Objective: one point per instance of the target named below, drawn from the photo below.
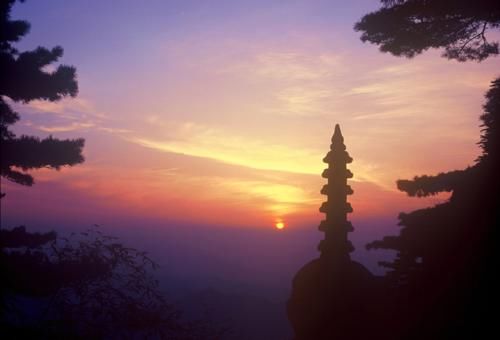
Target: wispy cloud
(68, 114)
(220, 144)
(66, 107)
(114, 130)
(64, 128)
(217, 144)
(303, 100)
(234, 150)
(293, 66)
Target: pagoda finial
(337, 135)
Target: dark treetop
(409, 27)
(23, 78)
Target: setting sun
(280, 225)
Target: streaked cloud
(66, 107)
(303, 100)
(235, 150)
(293, 66)
(65, 128)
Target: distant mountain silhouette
(246, 316)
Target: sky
(215, 116)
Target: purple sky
(214, 116)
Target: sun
(280, 225)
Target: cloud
(114, 130)
(64, 128)
(218, 144)
(68, 114)
(285, 66)
(399, 70)
(235, 150)
(299, 82)
(304, 100)
(67, 107)
(294, 66)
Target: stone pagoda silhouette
(332, 296)
(336, 246)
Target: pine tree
(23, 78)
(409, 27)
(443, 278)
(445, 263)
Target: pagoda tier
(336, 244)
(346, 227)
(326, 190)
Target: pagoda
(332, 296)
(336, 246)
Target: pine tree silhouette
(24, 79)
(443, 280)
(409, 27)
(445, 267)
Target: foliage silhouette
(443, 279)
(481, 177)
(25, 78)
(409, 27)
(87, 286)
(445, 266)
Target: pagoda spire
(336, 245)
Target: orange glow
(189, 189)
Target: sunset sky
(220, 112)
